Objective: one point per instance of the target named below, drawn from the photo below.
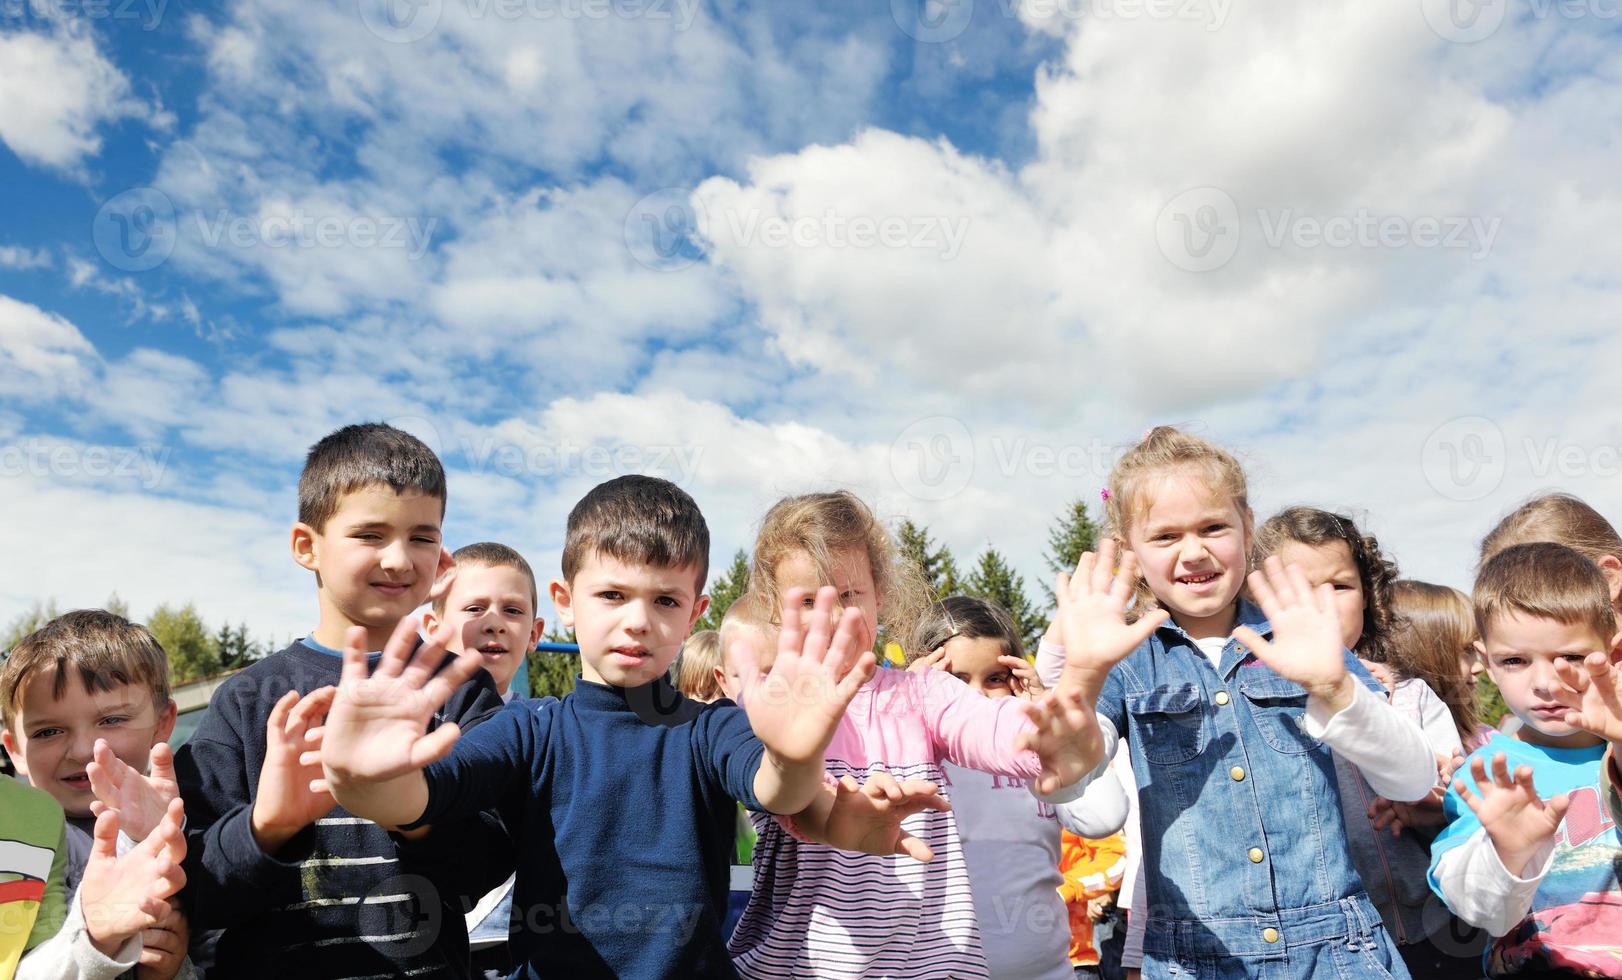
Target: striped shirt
(818, 912)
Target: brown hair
(358, 456)
(695, 668)
(1165, 448)
(1557, 517)
(489, 554)
(640, 520)
(1315, 528)
(106, 649)
(823, 525)
(1435, 626)
(1545, 580)
(966, 616)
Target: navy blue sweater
(622, 800)
(341, 899)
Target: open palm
(868, 817)
(377, 728)
(1306, 647)
(1092, 610)
(140, 799)
(1516, 818)
(1593, 695)
(795, 709)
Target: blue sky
(952, 256)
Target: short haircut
(695, 668)
(965, 616)
(639, 520)
(747, 612)
(358, 456)
(1545, 580)
(106, 649)
(489, 554)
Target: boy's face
(491, 610)
(1521, 652)
(375, 559)
(630, 620)
(51, 739)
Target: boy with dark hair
(623, 791)
(301, 887)
(1537, 865)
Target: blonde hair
(747, 612)
(1166, 448)
(1435, 625)
(695, 668)
(1547, 581)
(1557, 517)
(822, 525)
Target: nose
(82, 747)
(1191, 549)
(394, 558)
(636, 617)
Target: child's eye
(425, 539)
(514, 611)
(1574, 658)
(609, 594)
(1215, 528)
(46, 733)
(369, 536)
(668, 601)
(114, 720)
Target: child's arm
(1360, 725)
(1491, 878)
(867, 818)
(795, 709)
(1100, 811)
(375, 743)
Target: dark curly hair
(1313, 527)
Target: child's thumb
(104, 839)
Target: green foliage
(993, 578)
(37, 615)
(117, 606)
(1490, 701)
(725, 590)
(234, 647)
(937, 565)
(192, 652)
(552, 673)
(1073, 534)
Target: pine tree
(727, 588)
(1073, 533)
(117, 606)
(192, 651)
(937, 565)
(995, 580)
(236, 650)
(552, 674)
(37, 615)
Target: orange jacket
(1091, 868)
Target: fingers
(100, 770)
(818, 631)
(914, 848)
(866, 666)
(398, 650)
(460, 671)
(748, 667)
(928, 661)
(1557, 807)
(354, 669)
(882, 785)
(1147, 624)
(444, 575)
(427, 656)
(104, 838)
(436, 744)
(310, 707)
(1254, 642)
(1126, 577)
(276, 726)
(842, 649)
(792, 636)
(163, 761)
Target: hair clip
(1103, 492)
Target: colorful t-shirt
(1576, 919)
(33, 856)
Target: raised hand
(931, 661)
(1306, 647)
(795, 709)
(378, 726)
(121, 896)
(141, 800)
(1066, 738)
(1516, 819)
(868, 817)
(292, 791)
(1092, 608)
(1593, 693)
(1023, 679)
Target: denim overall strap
(1348, 920)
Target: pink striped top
(824, 913)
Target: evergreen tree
(1073, 533)
(192, 651)
(727, 588)
(552, 674)
(37, 615)
(235, 649)
(993, 578)
(937, 565)
(117, 606)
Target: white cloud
(18, 257)
(42, 355)
(56, 91)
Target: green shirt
(33, 860)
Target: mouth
(493, 650)
(391, 589)
(1550, 712)
(630, 656)
(78, 781)
(1199, 580)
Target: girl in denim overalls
(1230, 709)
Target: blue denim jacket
(1244, 845)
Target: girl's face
(1191, 546)
(973, 660)
(1331, 562)
(852, 576)
(1472, 666)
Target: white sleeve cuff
(1067, 794)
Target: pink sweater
(820, 912)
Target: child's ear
(702, 604)
(536, 632)
(1611, 566)
(562, 600)
(10, 743)
(303, 545)
(166, 721)
(1616, 648)
(430, 621)
(720, 679)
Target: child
(746, 628)
(1092, 871)
(1435, 641)
(490, 607)
(817, 912)
(86, 692)
(623, 791)
(1329, 549)
(1563, 519)
(1231, 734)
(1010, 839)
(273, 863)
(33, 860)
(1530, 853)
(698, 669)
